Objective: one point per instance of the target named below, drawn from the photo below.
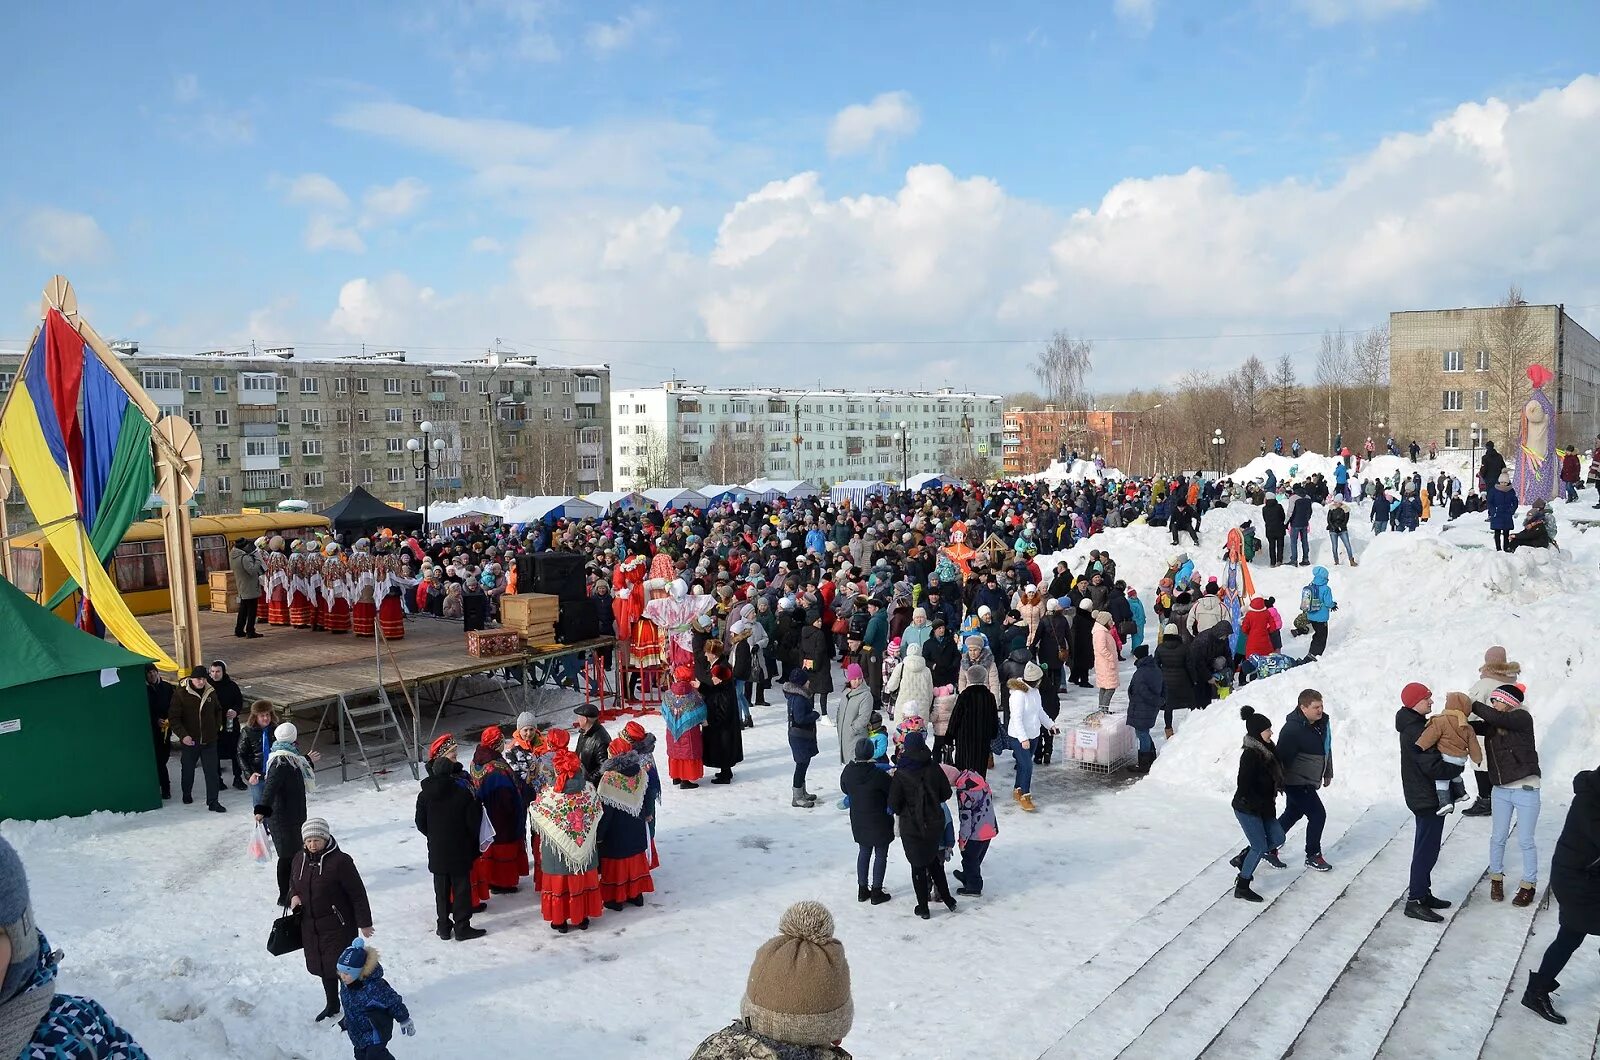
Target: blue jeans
(1302, 800)
(1299, 544)
(1342, 536)
(744, 700)
(1262, 836)
(874, 857)
(1525, 801)
(1145, 743)
(1024, 760)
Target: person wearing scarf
(644, 745)
(684, 712)
(506, 861)
(282, 804)
(567, 819)
(624, 835)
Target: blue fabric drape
(105, 403)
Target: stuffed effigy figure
(1536, 465)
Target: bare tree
(1249, 385)
(734, 455)
(1511, 336)
(1286, 399)
(1370, 359)
(1026, 400)
(1333, 375)
(1062, 369)
(652, 468)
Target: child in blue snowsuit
(371, 1006)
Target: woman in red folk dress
(684, 712)
(503, 865)
(335, 591)
(276, 583)
(391, 613)
(363, 587)
(301, 604)
(567, 818)
(624, 837)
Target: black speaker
(527, 576)
(558, 574)
(577, 621)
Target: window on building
(341, 416)
(286, 480)
(416, 386)
(417, 473)
(394, 415)
(344, 447)
(311, 417)
(622, 410)
(283, 417)
(638, 410)
(220, 417)
(195, 418)
(625, 471)
(416, 415)
(1452, 437)
(549, 414)
(311, 447)
(260, 480)
(1483, 360)
(257, 447)
(1452, 401)
(194, 384)
(588, 463)
(436, 386)
(309, 384)
(344, 477)
(1480, 401)
(391, 385)
(566, 413)
(366, 476)
(397, 474)
(159, 379)
(283, 448)
(363, 415)
(513, 467)
(313, 480)
(1452, 361)
(393, 445)
(224, 483)
(364, 445)
(221, 451)
(283, 384)
(341, 385)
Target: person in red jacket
(1257, 626)
(1571, 473)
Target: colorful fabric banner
(123, 493)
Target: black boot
(863, 892)
(1238, 859)
(442, 928)
(1479, 808)
(1241, 889)
(1537, 997)
(465, 932)
(879, 896)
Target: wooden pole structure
(171, 468)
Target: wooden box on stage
(532, 615)
(224, 597)
(493, 643)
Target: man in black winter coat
(593, 741)
(449, 815)
(1204, 651)
(1490, 467)
(1305, 750)
(1299, 529)
(1273, 523)
(939, 651)
(1418, 771)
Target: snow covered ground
(163, 918)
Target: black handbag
(285, 934)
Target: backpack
(1308, 598)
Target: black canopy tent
(362, 514)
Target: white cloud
(1139, 15)
(63, 237)
(862, 126)
(606, 38)
(1332, 12)
(324, 232)
(1443, 216)
(485, 245)
(385, 203)
(186, 88)
(478, 37)
(197, 116)
(317, 189)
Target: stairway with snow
(1328, 965)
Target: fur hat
(1254, 724)
(1086, 604)
(1495, 665)
(798, 991)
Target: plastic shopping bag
(485, 833)
(260, 845)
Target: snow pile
(1420, 607)
(1074, 471)
(1295, 468)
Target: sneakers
(1271, 858)
(1447, 808)
(1242, 891)
(1479, 808)
(1433, 902)
(1524, 896)
(1419, 911)
(1316, 861)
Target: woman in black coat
(1577, 891)
(1255, 800)
(230, 711)
(816, 653)
(788, 638)
(1173, 658)
(723, 737)
(916, 795)
(871, 826)
(282, 806)
(333, 903)
(449, 815)
(974, 723)
(1082, 643)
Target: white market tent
(614, 500)
(857, 490)
(724, 492)
(537, 509)
(770, 489)
(927, 480)
(669, 498)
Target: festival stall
(724, 493)
(360, 514)
(59, 687)
(856, 490)
(927, 481)
(549, 509)
(617, 500)
(769, 490)
(668, 498)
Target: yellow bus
(139, 564)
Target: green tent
(63, 691)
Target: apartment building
(1452, 368)
(1035, 437)
(275, 427)
(679, 434)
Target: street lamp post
(1217, 442)
(427, 455)
(905, 458)
(1472, 468)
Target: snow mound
(1295, 468)
(1074, 471)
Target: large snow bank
(1421, 607)
(1295, 468)
(1061, 471)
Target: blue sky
(723, 181)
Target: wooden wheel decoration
(178, 433)
(5, 478)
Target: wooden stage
(297, 669)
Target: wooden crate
(220, 581)
(527, 612)
(225, 602)
(493, 643)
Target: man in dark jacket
(1305, 749)
(1418, 771)
(874, 642)
(1147, 698)
(1299, 529)
(449, 815)
(193, 720)
(867, 788)
(939, 651)
(593, 741)
(1273, 522)
(1490, 467)
(1082, 653)
(158, 697)
(1204, 651)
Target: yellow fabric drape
(51, 499)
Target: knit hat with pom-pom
(799, 986)
(1255, 724)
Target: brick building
(1033, 438)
